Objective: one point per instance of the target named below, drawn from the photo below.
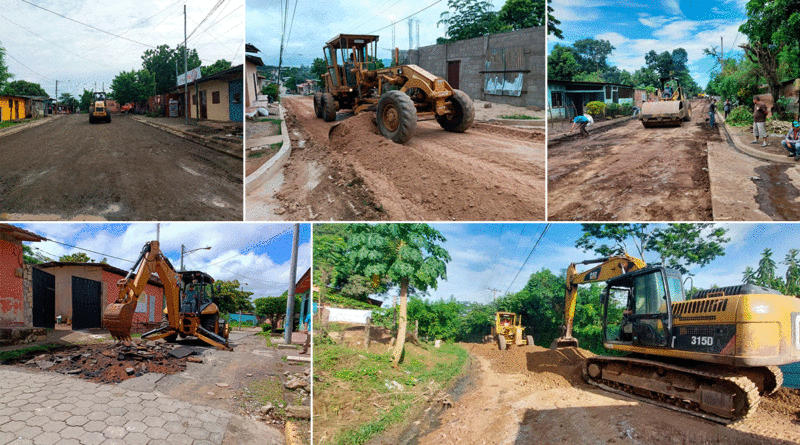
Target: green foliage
(79, 257)
(626, 109)
(612, 109)
(86, 99)
(164, 61)
(645, 77)
(740, 116)
(24, 88)
(521, 14)
(592, 54)
(31, 257)
(318, 68)
(738, 79)
(561, 63)
(231, 298)
(132, 86)
(273, 308)
(68, 101)
(271, 90)
(517, 116)
(552, 22)
(22, 352)
(266, 327)
(216, 67)
(336, 300)
(766, 273)
(4, 73)
(470, 19)
(596, 108)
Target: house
(789, 89)
(36, 106)
(12, 108)
(254, 78)
(83, 290)
(566, 99)
(217, 97)
(15, 308)
(307, 87)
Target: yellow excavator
(189, 309)
(713, 355)
(670, 110)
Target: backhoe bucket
(564, 342)
(118, 319)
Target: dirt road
(489, 172)
(125, 170)
(633, 173)
(534, 395)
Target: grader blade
(118, 319)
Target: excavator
(713, 355)
(189, 309)
(671, 109)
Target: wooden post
(416, 329)
(366, 333)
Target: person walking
(759, 121)
(712, 110)
(727, 108)
(792, 141)
(581, 122)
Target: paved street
(48, 408)
(125, 170)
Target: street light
(241, 289)
(186, 252)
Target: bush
(626, 109)
(271, 90)
(596, 108)
(740, 116)
(612, 109)
(266, 327)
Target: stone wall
(27, 294)
(21, 336)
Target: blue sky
(244, 252)
(489, 256)
(636, 27)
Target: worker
(668, 92)
(759, 121)
(712, 110)
(581, 122)
(727, 108)
(792, 141)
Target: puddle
(775, 194)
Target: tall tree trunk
(401, 329)
(767, 61)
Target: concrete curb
(24, 126)
(276, 162)
(206, 141)
(753, 152)
(536, 123)
(596, 128)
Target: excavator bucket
(118, 319)
(564, 342)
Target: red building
(13, 307)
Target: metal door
(235, 93)
(453, 71)
(86, 304)
(44, 299)
(203, 105)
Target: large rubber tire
(501, 342)
(209, 322)
(328, 107)
(396, 116)
(108, 119)
(530, 340)
(318, 104)
(91, 119)
(464, 113)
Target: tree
(132, 86)
(406, 254)
(561, 63)
(4, 73)
(79, 257)
(163, 62)
(679, 246)
(216, 67)
(766, 273)
(273, 308)
(24, 88)
(231, 298)
(470, 19)
(318, 68)
(31, 257)
(521, 14)
(86, 99)
(552, 23)
(592, 53)
(645, 77)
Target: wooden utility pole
(287, 329)
(56, 110)
(185, 69)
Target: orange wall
(112, 292)
(11, 303)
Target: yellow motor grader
(399, 94)
(508, 330)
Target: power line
(411, 15)
(366, 19)
(238, 254)
(529, 257)
(90, 251)
(213, 9)
(26, 66)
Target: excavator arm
(608, 268)
(118, 316)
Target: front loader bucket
(564, 342)
(118, 319)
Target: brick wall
(12, 305)
(111, 292)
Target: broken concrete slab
(298, 412)
(143, 383)
(297, 358)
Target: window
(215, 97)
(556, 99)
(650, 293)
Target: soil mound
(786, 401)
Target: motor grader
(399, 94)
(508, 330)
(189, 308)
(670, 110)
(713, 355)
(98, 109)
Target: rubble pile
(297, 390)
(113, 363)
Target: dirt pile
(786, 402)
(544, 368)
(112, 363)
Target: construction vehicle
(399, 94)
(189, 308)
(508, 330)
(670, 110)
(713, 355)
(98, 109)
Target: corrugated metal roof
(20, 234)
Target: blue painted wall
(791, 375)
(245, 318)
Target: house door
(235, 93)
(86, 304)
(453, 70)
(44, 299)
(16, 109)
(203, 105)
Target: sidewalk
(224, 137)
(28, 123)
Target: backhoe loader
(189, 308)
(713, 355)
(398, 94)
(670, 110)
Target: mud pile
(543, 367)
(112, 363)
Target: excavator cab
(637, 307)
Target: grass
(6, 124)
(274, 147)
(269, 119)
(17, 353)
(269, 391)
(366, 383)
(518, 116)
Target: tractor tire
(501, 342)
(108, 119)
(464, 113)
(530, 340)
(328, 107)
(91, 119)
(318, 104)
(396, 116)
(209, 322)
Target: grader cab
(508, 330)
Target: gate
(453, 72)
(44, 299)
(86, 304)
(235, 93)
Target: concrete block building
(12, 108)
(15, 308)
(218, 97)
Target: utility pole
(56, 110)
(494, 293)
(185, 69)
(721, 54)
(287, 329)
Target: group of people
(712, 110)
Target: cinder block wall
(473, 54)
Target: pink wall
(112, 292)
(11, 302)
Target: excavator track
(722, 397)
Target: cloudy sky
(315, 24)
(636, 27)
(256, 254)
(43, 47)
(489, 256)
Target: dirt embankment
(532, 395)
(487, 173)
